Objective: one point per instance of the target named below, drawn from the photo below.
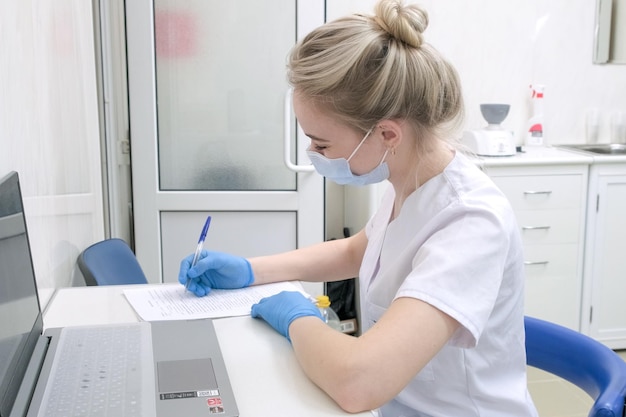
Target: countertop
(540, 155)
(600, 158)
(549, 155)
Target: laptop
(144, 369)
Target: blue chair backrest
(581, 360)
(110, 262)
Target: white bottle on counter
(534, 136)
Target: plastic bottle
(534, 135)
(328, 314)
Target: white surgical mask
(338, 169)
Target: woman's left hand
(281, 309)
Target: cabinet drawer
(540, 192)
(554, 262)
(549, 226)
(553, 286)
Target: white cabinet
(604, 306)
(549, 203)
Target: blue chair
(110, 262)
(581, 360)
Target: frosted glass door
(209, 115)
(220, 73)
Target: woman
(439, 264)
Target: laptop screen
(20, 318)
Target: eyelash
(319, 148)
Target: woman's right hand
(215, 270)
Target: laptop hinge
(27, 387)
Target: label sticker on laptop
(209, 393)
(189, 394)
(215, 405)
(178, 395)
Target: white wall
(501, 47)
(49, 129)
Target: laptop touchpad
(186, 375)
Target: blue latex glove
(281, 309)
(215, 270)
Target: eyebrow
(313, 137)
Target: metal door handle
(537, 192)
(287, 138)
(535, 262)
(535, 227)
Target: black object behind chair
(110, 262)
(581, 360)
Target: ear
(391, 131)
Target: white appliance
(489, 142)
(493, 140)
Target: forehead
(316, 120)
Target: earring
(393, 151)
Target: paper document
(173, 302)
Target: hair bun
(405, 23)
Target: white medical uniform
(455, 245)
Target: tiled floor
(555, 397)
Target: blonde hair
(365, 69)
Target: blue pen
(200, 246)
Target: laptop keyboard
(98, 372)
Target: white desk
(265, 376)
